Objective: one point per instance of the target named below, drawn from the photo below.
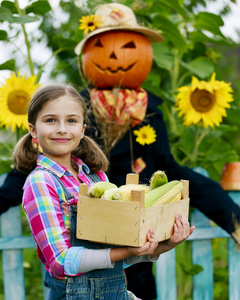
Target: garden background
(194, 45)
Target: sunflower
(145, 135)
(89, 23)
(204, 102)
(15, 96)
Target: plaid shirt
(47, 212)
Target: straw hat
(115, 16)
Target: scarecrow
(116, 57)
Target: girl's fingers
(175, 227)
(192, 229)
(179, 220)
(151, 234)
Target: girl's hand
(181, 231)
(148, 248)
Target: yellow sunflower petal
(15, 96)
(204, 102)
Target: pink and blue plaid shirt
(47, 212)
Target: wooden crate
(127, 223)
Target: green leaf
(3, 35)
(64, 43)
(191, 270)
(25, 19)
(6, 15)
(201, 66)
(200, 37)
(10, 5)
(8, 65)
(153, 79)
(162, 56)
(210, 22)
(174, 4)
(170, 31)
(40, 7)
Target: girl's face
(59, 128)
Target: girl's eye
(50, 120)
(72, 121)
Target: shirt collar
(81, 165)
(58, 169)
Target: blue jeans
(103, 284)
(82, 288)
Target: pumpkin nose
(113, 55)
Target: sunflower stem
(170, 117)
(182, 78)
(175, 72)
(46, 62)
(195, 147)
(174, 79)
(202, 136)
(30, 62)
(17, 133)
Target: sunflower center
(144, 136)
(90, 24)
(18, 101)
(202, 100)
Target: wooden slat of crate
(112, 222)
(161, 219)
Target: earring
(36, 144)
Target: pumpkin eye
(129, 45)
(98, 43)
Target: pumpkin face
(117, 59)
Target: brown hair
(25, 154)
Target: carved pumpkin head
(117, 58)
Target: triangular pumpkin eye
(98, 43)
(129, 45)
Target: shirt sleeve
(127, 262)
(95, 259)
(43, 210)
(72, 260)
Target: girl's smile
(59, 128)
(60, 140)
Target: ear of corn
(126, 190)
(163, 194)
(97, 189)
(112, 194)
(176, 197)
(158, 178)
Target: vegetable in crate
(127, 188)
(158, 179)
(112, 194)
(164, 194)
(97, 189)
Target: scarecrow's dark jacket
(205, 194)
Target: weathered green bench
(12, 244)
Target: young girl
(76, 269)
